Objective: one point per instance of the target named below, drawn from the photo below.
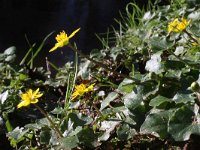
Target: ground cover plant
(141, 91)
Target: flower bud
(195, 87)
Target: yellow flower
(178, 26)
(30, 97)
(81, 89)
(62, 39)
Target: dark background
(38, 18)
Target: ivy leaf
(194, 15)
(154, 64)
(84, 69)
(159, 101)
(124, 132)
(10, 58)
(33, 126)
(126, 86)
(107, 126)
(87, 137)
(57, 110)
(17, 133)
(156, 123)
(132, 100)
(10, 51)
(183, 98)
(104, 137)
(181, 124)
(158, 44)
(69, 142)
(79, 119)
(2, 56)
(45, 136)
(173, 64)
(111, 96)
(43, 122)
(3, 96)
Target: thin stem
(196, 41)
(49, 119)
(178, 58)
(97, 110)
(102, 65)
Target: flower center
(61, 37)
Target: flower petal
(36, 91)
(23, 103)
(91, 87)
(73, 33)
(38, 95)
(33, 101)
(54, 48)
(24, 96)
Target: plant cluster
(140, 91)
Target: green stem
(97, 110)
(172, 53)
(49, 119)
(196, 41)
(102, 65)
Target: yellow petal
(23, 103)
(74, 95)
(73, 33)
(36, 91)
(38, 95)
(33, 101)
(54, 48)
(25, 96)
(60, 44)
(91, 87)
(30, 92)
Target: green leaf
(108, 127)
(183, 98)
(10, 51)
(111, 96)
(104, 137)
(43, 122)
(87, 137)
(84, 69)
(57, 110)
(126, 86)
(154, 64)
(2, 57)
(114, 53)
(194, 15)
(45, 136)
(173, 64)
(147, 16)
(80, 119)
(33, 126)
(124, 132)
(17, 133)
(74, 105)
(156, 123)
(69, 142)
(3, 96)
(132, 100)
(181, 124)
(159, 101)
(8, 126)
(159, 44)
(10, 58)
